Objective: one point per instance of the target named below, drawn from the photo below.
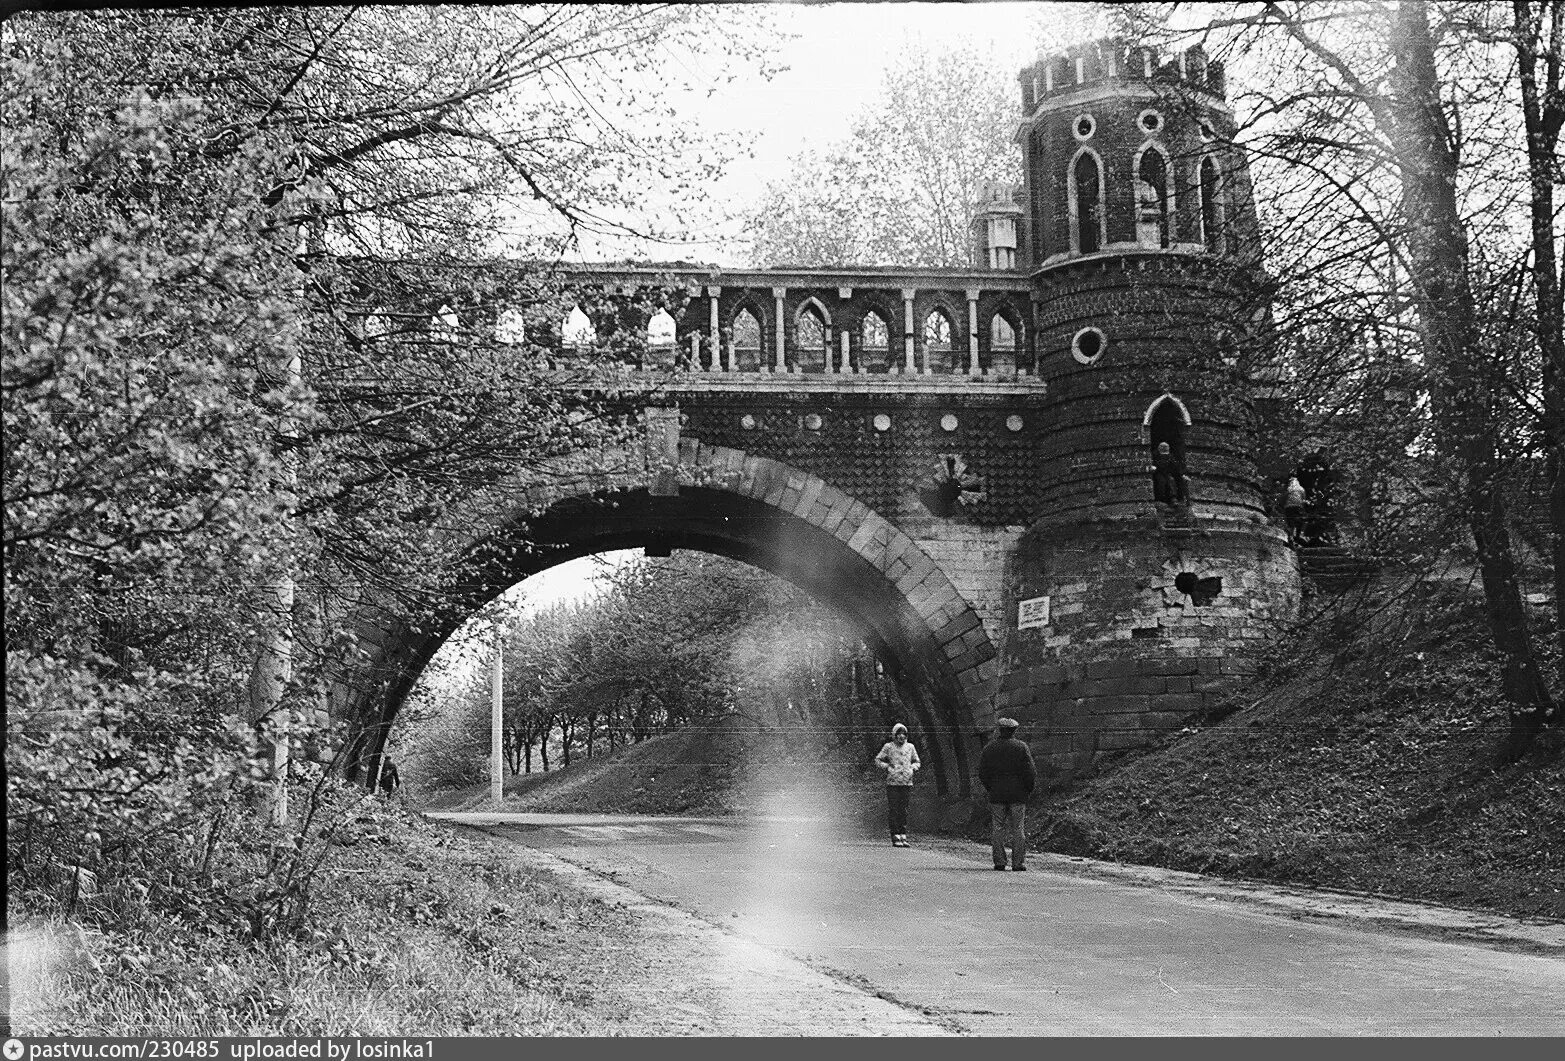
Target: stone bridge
(1030, 482)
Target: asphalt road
(1048, 952)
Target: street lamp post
(496, 722)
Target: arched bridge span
(755, 509)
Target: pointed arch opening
(445, 325)
(875, 343)
(1005, 342)
(1085, 188)
(746, 338)
(1210, 187)
(577, 332)
(939, 349)
(1165, 424)
(812, 337)
(511, 327)
(1154, 201)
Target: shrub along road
(1055, 951)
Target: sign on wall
(1032, 612)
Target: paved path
(1054, 951)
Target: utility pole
(496, 722)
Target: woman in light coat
(899, 759)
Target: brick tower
(1160, 570)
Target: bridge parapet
(745, 323)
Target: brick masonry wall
(1128, 654)
(1161, 317)
(975, 559)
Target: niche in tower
(1166, 422)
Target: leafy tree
(206, 449)
(901, 189)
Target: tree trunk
(1543, 110)
(1461, 388)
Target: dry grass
(417, 933)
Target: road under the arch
(1059, 950)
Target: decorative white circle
(948, 421)
(1227, 347)
(1083, 127)
(1088, 345)
(1013, 422)
(882, 422)
(813, 421)
(747, 422)
(1150, 120)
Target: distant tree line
(668, 643)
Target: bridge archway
(753, 509)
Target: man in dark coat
(1006, 770)
(389, 781)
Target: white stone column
(847, 361)
(972, 331)
(780, 360)
(714, 337)
(907, 327)
(695, 351)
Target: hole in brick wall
(1199, 590)
(1142, 633)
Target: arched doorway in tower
(1165, 424)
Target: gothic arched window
(1152, 209)
(1086, 184)
(1211, 207)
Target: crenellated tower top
(1111, 60)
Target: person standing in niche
(1293, 510)
(1168, 478)
(899, 759)
(1317, 479)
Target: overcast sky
(836, 58)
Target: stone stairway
(1333, 569)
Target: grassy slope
(1363, 764)
(418, 932)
